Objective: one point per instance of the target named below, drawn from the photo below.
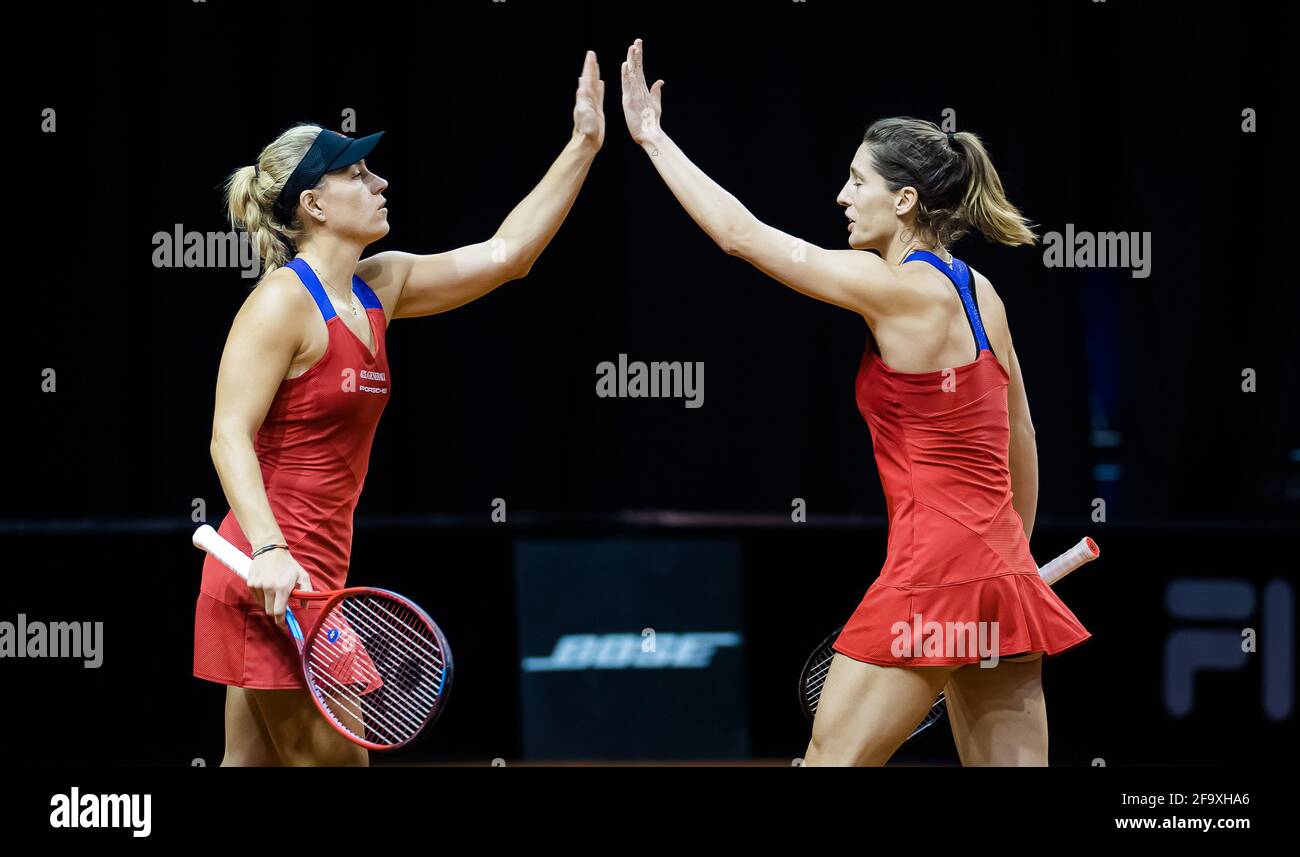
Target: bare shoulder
(386, 269)
(385, 273)
(986, 294)
(279, 291)
(276, 307)
(881, 292)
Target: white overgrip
(208, 539)
(1085, 551)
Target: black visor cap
(329, 151)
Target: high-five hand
(588, 108)
(642, 107)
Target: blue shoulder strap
(367, 296)
(961, 277)
(308, 277)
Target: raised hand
(588, 108)
(642, 107)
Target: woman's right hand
(642, 107)
(273, 576)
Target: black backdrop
(1111, 116)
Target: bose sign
(632, 651)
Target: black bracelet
(264, 548)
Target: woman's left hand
(588, 109)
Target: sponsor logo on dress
(367, 375)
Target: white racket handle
(1084, 552)
(226, 553)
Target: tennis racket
(813, 675)
(378, 667)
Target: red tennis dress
(314, 451)
(957, 551)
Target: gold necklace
(352, 304)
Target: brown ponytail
(958, 188)
(985, 206)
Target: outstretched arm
(423, 285)
(859, 281)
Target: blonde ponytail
(250, 194)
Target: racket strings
(406, 634)
(814, 679)
(382, 711)
(343, 701)
(414, 660)
(361, 713)
(378, 667)
(416, 644)
(353, 702)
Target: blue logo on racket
(332, 635)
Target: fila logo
(1194, 649)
